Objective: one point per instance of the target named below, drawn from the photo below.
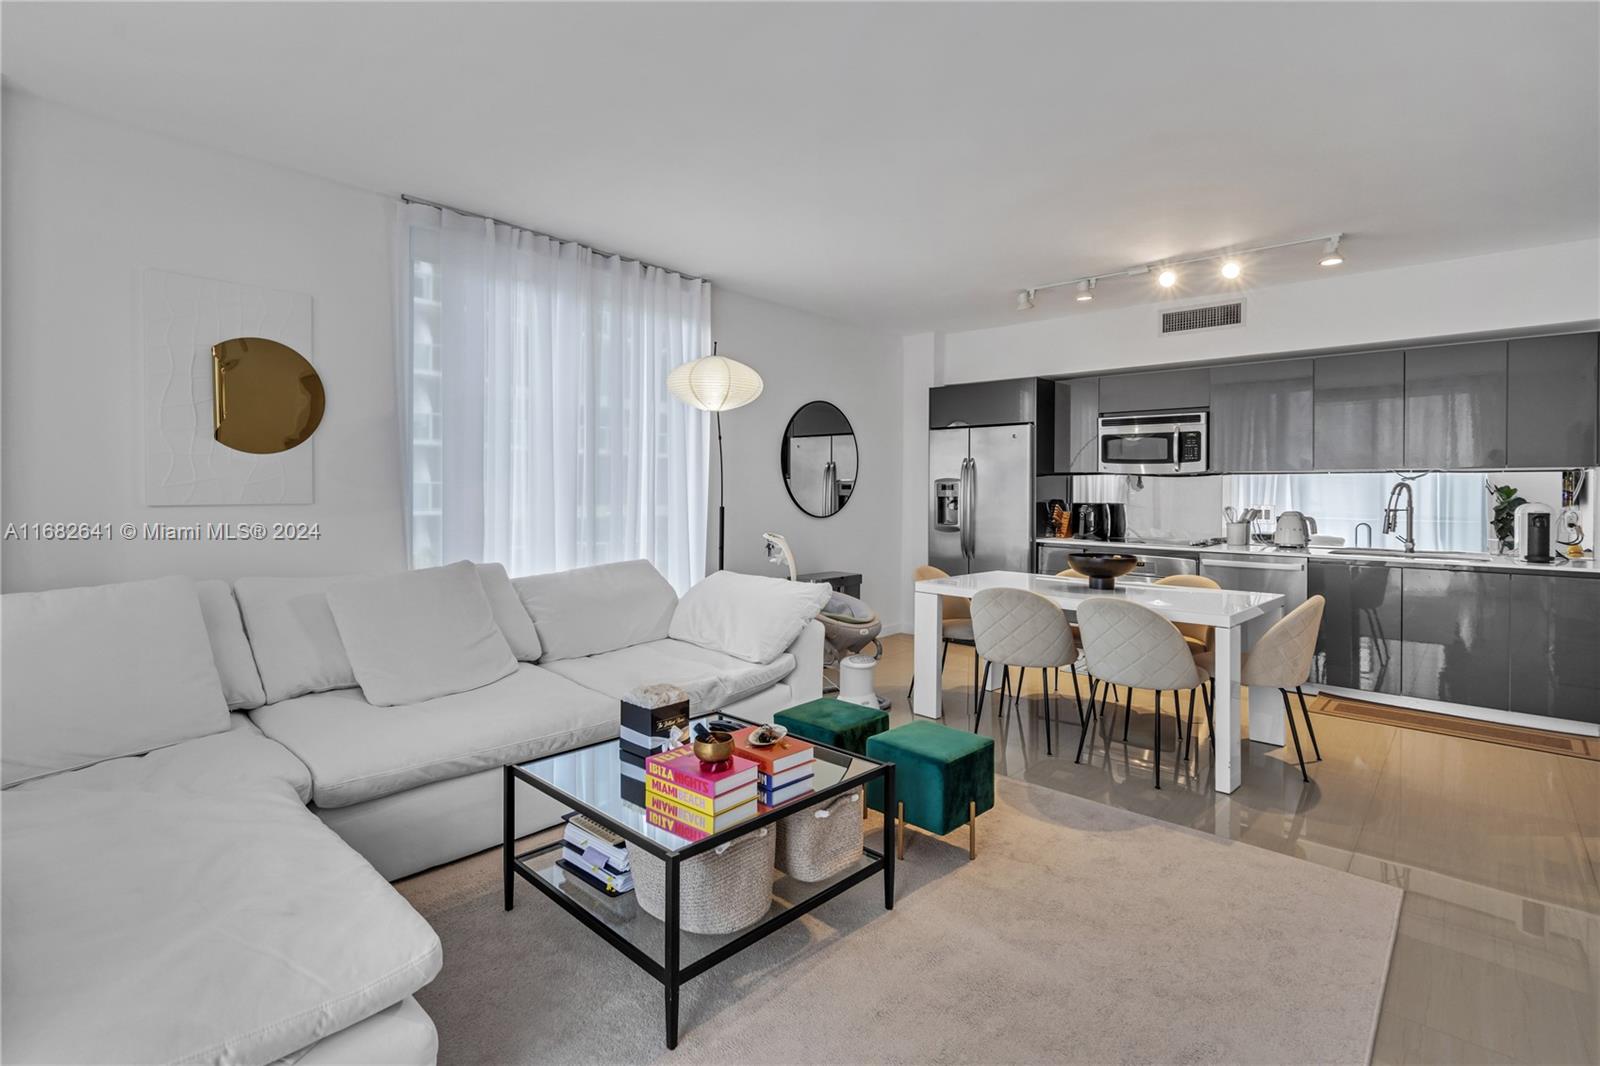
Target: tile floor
(1497, 848)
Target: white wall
(88, 204)
(801, 358)
(1530, 288)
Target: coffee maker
(1531, 526)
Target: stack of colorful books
(783, 770)
(596, 856)
(688, 800)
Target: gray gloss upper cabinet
(1456, 407)
(1456, 627)
(1359, 411)
(1551, 409)
(1261, 417)
(1156, 390)
(1555, 646)
(1082, 409)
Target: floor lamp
(716, 384)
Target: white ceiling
(902, 165)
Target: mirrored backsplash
(1452, 510)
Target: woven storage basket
(818, 842)
(721, 891)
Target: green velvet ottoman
(836, 723)
(943, 778)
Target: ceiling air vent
(1212, 316)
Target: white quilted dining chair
(1282, 659)
(1127, 644)
(1014, 627)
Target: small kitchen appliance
(1090, 521)
(1116, 521)
(1166, 442)
(1531, 532)
(1293, 530)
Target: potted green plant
(1503, 520)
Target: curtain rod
(406, 198)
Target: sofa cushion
(711, 678)
(236, 666)
(749, 617)
(598, 608)
(509, 613)
(421, 634)
(242, 758)
(293, 635)
(357, 752)
(96, 673)
(230, 927)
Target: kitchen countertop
(1585, 567)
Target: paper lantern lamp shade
(715, 383)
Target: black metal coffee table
(589, 780)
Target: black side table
(838, 580)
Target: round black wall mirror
(819, 459)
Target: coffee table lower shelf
(660, 948)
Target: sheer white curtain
(541, 434)
(1451, 509)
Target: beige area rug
(1081, 933)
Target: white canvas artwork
(181, 317)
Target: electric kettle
(1293, 530)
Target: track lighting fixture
(1231, 267)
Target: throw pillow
(751, 618)
(419, 635)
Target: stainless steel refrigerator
(980, 506)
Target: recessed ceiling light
(1230, 269)
(1086, 290)
(1331, 256)
(1024, 299)
(1168, 278)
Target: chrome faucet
(1359, 527)
(1391, 515)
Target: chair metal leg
(1206, 695)
(1077, 694)
(1048, 713)
(975, 689)
(1288, 714)
(1127, 714)
(1084, 721)
(1157, 694)
(1189, 738)
(982, 686)
(1005, 688)
(1310, 730)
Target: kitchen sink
(1401, 553)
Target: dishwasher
(1261, 572)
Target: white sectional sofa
(203, 808)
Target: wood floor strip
(1467, 728)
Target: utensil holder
(1238, 534)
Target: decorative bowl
(716, 747)
(1102, 568)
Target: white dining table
(1237, 619)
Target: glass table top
(592, 776)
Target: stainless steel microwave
(1167, 442)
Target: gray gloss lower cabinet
(1456, 407)
(1359, 646)
(1261, 417)
(1555, 646)
(1456, 627)
(1359, 406)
